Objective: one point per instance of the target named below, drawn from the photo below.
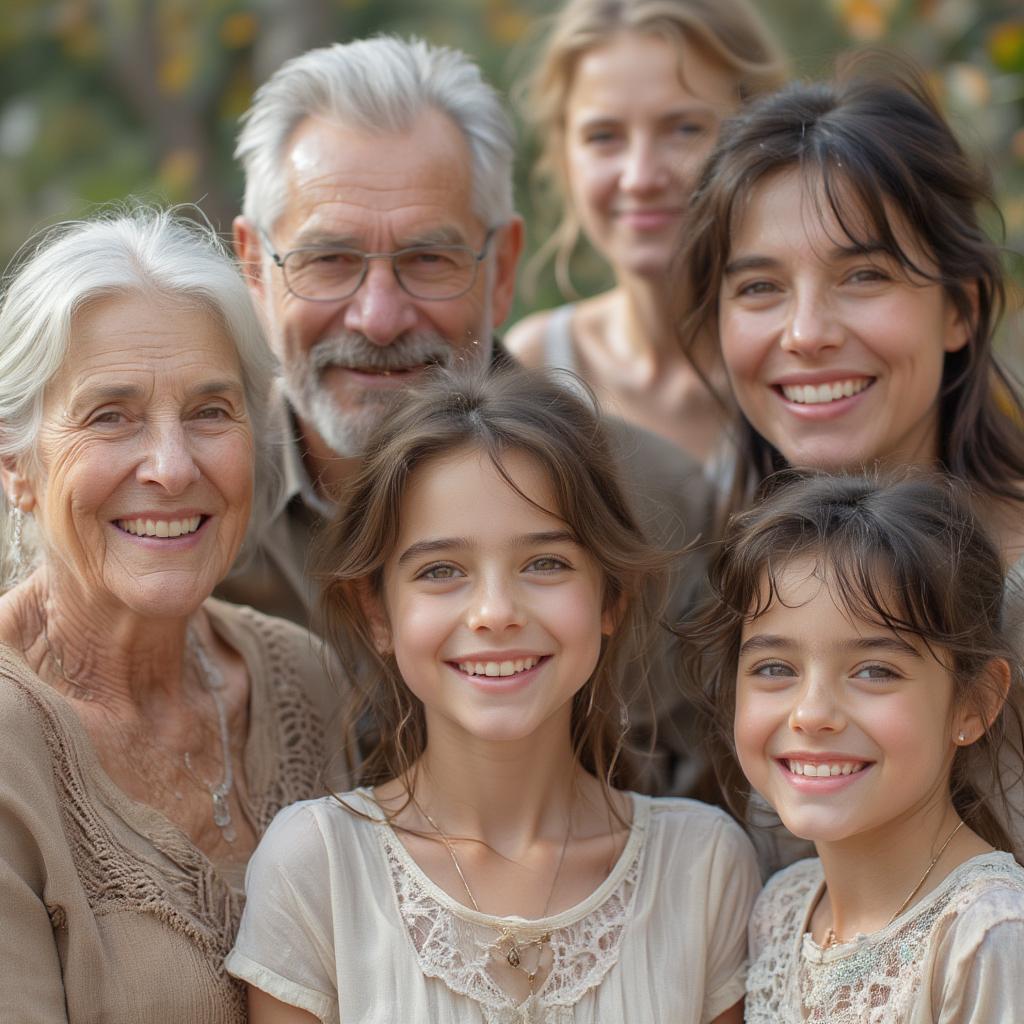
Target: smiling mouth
(820, 394)
(161, 527)
(494, 669)
(822, 769)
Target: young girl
(490, 867)
(854, 662)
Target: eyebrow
(891, 644)
(100, 394)
(430, 547)
(837, 252)
(444, 235)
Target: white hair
(381, 85)
(125, 250)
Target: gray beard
(347, 429)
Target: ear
(959, 328)
(973, 721)
(376, 616)
(249, 252)
(17, 486)
(508, 245)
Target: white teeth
(824, 770)
(160, 527)
(810, 394)
(497, 668)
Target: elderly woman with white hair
(148, 733)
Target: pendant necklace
(508, 946)
(220, 793)
(831, 939)
(212, 681)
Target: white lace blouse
(341, 921)
(955, 957)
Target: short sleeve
(978, 967)
(285, 944)
(733, 884)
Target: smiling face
(345, 361)
(495, 612)
(842, 726)
(835, 354)
(141, 481)
(642, 115)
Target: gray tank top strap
(558, 348)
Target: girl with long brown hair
(492, 592)
(858, 677)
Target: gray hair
(124, 250)
(381, 85)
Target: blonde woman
(627, 98)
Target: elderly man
(380, 238)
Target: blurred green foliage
(100, 99)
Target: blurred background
(100, 99)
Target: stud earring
(960, 737)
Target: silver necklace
(213, 682)
(508, 945)
(220, 793)
(831, 939)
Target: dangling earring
(17, 555)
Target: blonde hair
(729, 30)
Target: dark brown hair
(907, 556)
(497, 412)
(870, 146)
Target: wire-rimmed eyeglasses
(325, 273)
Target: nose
(494, 606)
(811, 324)
(168, 460)
(380, 310)
(645, 169)
(817, 708)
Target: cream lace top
(955, 957)
(341, 921)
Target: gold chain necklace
(507, 945)
(831, 939)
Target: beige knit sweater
(108, 912)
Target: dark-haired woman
(836, 249)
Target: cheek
(754, 723)
(591, 183)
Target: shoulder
(26, 714)
(665, 484)
(278, 649)
(781, 907)
(987, 894)
(698, 833)
(305, 835)
(527, 341)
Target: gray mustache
(353, 351)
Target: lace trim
(199, 904)
(457, 950)
(871, 980)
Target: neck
(112, 656)
(327, 470)
(501, 792)
(870, 876)
(644, 313)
